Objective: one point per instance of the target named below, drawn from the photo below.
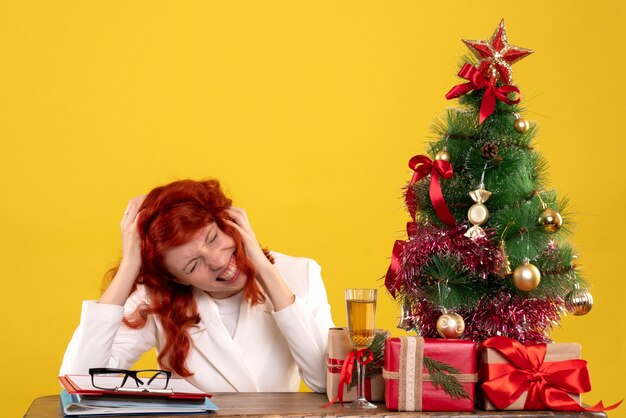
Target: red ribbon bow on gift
(477, 81)
(364, 356)
(422, 166)
(547, 384)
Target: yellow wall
(308, 111)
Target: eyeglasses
(122, 380)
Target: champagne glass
(361, 308)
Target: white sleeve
(305, 326)
(102, 340)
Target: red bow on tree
(392, 278)
(477, 81)
(422, 165)
(548, 384)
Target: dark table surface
(301, 404)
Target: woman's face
(207, 262)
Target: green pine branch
(448, 283)
(442, 376)
(559, 272)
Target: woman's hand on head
(122, 284)
(239, 220)
(267, 274)
(131, 242)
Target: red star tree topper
(496, 55)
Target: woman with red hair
(194, 283)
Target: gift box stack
(434, 374)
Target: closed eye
(193, 266)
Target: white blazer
(268, 352)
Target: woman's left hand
(239, 220)
(266, 273)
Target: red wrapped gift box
(408, 386)
(492, 365)
(534, 376)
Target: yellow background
(308, 111)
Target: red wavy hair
(170, 216)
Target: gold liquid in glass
(361, 322)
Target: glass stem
(360, 370)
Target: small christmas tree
(487, 251)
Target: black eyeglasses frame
(133, 374)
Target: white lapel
(216, 345)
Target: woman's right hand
(131, 242)
(120, 287)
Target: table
(299, 404)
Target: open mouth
(230, 273)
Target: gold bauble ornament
(526, 277)
(443, 155)
(578, 302)
(450, 325)
(521, 125)
(550, 220)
